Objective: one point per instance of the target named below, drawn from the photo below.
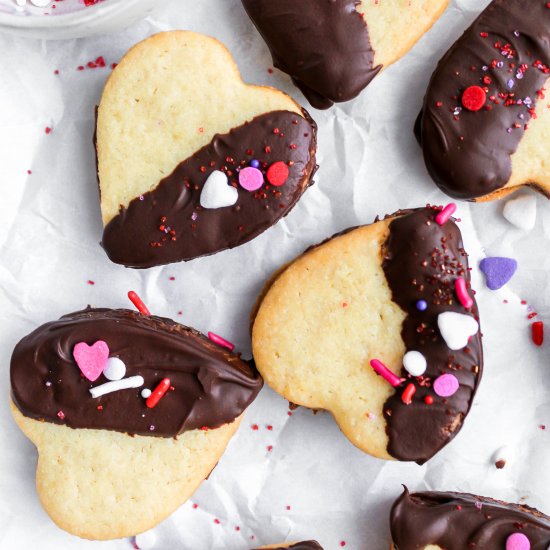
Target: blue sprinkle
(422, 305)
(255, 163)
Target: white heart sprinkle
(521, 212)
(115, 369)
(415, 363)
(41, 3)
(21, 2)
(456, 329)
(216, 193)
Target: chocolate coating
(468, 154)
(306, 545)
(212, 386)
(456, 521)
(421, 262)
(322, 44)
(140, 235)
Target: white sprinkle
(41, 3)
(521, 212)
(456, 329)
(415, 363)
(117, 385)
(115, 369)
(216, 193)
(145, 393)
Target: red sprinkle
(474, 98)
(277, 174)
(407, 395)
(429, 400)
(158, 393)
(136, 300)
(538, 333)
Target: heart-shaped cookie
(485, 123)
(119, 455)
(333, 49)
(332, 329)
(172, 113)
(455, 521)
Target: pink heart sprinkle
(91, 360)
(251, 178)
(518, 541)
(446, 385)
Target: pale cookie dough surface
(101, 485)
(396, 25)
(166, 99)
(315, 351)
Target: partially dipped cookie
(377, 325)
(191, 160)
(485, 124)
(333, 49)
(456, 521)
(129, 413)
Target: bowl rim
(102, 10)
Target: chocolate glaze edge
(305, 545)
(212, 386)
(324, 46)
(470, 157)
(416, 250)
(134, 237)
(419, 519)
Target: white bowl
(105, 17)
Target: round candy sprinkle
(383, 371)
(255, 163)
(421, 305)
(146, 393)
(443, 217)
(446, 385)
(277, 173)
(115, 369)
(415, 363)
(474, 98)
(251, 178)
(517, 541)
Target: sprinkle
(115, 369)
(521, 212)
(251, 178)
(91, 360)
(277, 174)
(216, 193)
(158, 392)
(429, 400)
(255, 163)
(61, 415)
(383, 371)
(136, 300)
(462, 293)
(408, 394)
(117, 385)
(422, 305)
(474, 98)
(221, 341)
(443, 217)
(456, 329)
(538, 333)
(446, 385)
(415, 363)
(498, 271)
(145, 393)
(517, 541)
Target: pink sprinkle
(462, 293)
(60, 415)
(446, 385)
(384, 372)
(444, 216)
(217, 521)
(269, 448)
(48, 130)
(251, 178)
(90, 282)
(342, 543)
(195, 506)
(221, 341)
(255, 427)
(517, 541)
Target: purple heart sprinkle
(498, 271)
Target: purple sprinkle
(511, 83)
(498, 271)
(478, 505)
(255, 163)
(509, 130)
(516, 33)
(48, 383)
(484, 68)
(141, 197)
(422, 305)
(194, 216)
(500, 64)
(527, 101)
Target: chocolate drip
(456, 521)
(506, 51)
(168, 224)
(306, 545)
(211, 385)
(422, 262)
(322, 44)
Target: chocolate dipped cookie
(191, 160)
(333, 49)
(485, 124)
(129, 413)
(377, 325)
(457, 521)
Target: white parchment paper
(312, 483)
